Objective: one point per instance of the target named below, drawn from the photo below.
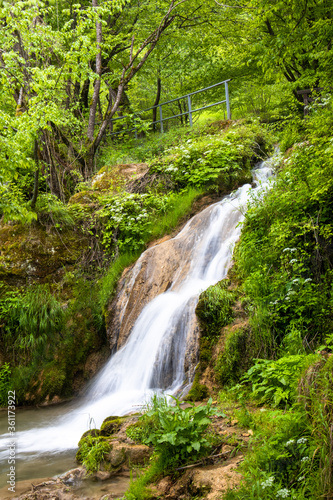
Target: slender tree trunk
(84, 95)
(97, 85)
(157, 101)
(36, 177)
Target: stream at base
(154, 356)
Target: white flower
(307, 280)
(305, 459)
(292, 261)
(268, 482)
(291, 441)
(284, 493)
(301, 440)
(301, 478)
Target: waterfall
(153, 359)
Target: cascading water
(154, 357)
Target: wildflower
(301, 478)
(293, 261)
(284, 493)
(305, 459)
(301, 440)
(268, 482)
(291, 441)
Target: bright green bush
(177, 434)
(276, 382)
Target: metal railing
(189, 112)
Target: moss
(30, 253)
(92, 449)
(84, 198)
(111, 425)
(214, 308)
(234, 360)
(198, 391)
(86, 436)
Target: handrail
(189, 112)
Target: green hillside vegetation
(53, 317)
(79, 204)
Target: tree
(63, 75)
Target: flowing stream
(154, 357)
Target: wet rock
(123, 454)
(156, 269)
(103, 475)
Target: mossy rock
(214, 308)
(198, 391)
(90, 433)
(111, 425)
(83, 198)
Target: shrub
(276, 381)
(177, 434)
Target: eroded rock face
(158, 268)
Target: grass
(154, 143)
(181, 207)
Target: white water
(155, 350)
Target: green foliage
(283, 461)
(222, 159)
(5, 383)
(276, 382)
(215, 307)
(316, 395)
(129, 221)
(234, 357)
(109, 281)
(285, 251)
(131, 215)
(177, 434)
(51, 211)
(31, 318)
(92, 452)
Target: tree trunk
(36, 177)
(97, 85)
(157, 101)
(85, 95)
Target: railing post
(161, 119)
(227, 100)
(190, 110)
